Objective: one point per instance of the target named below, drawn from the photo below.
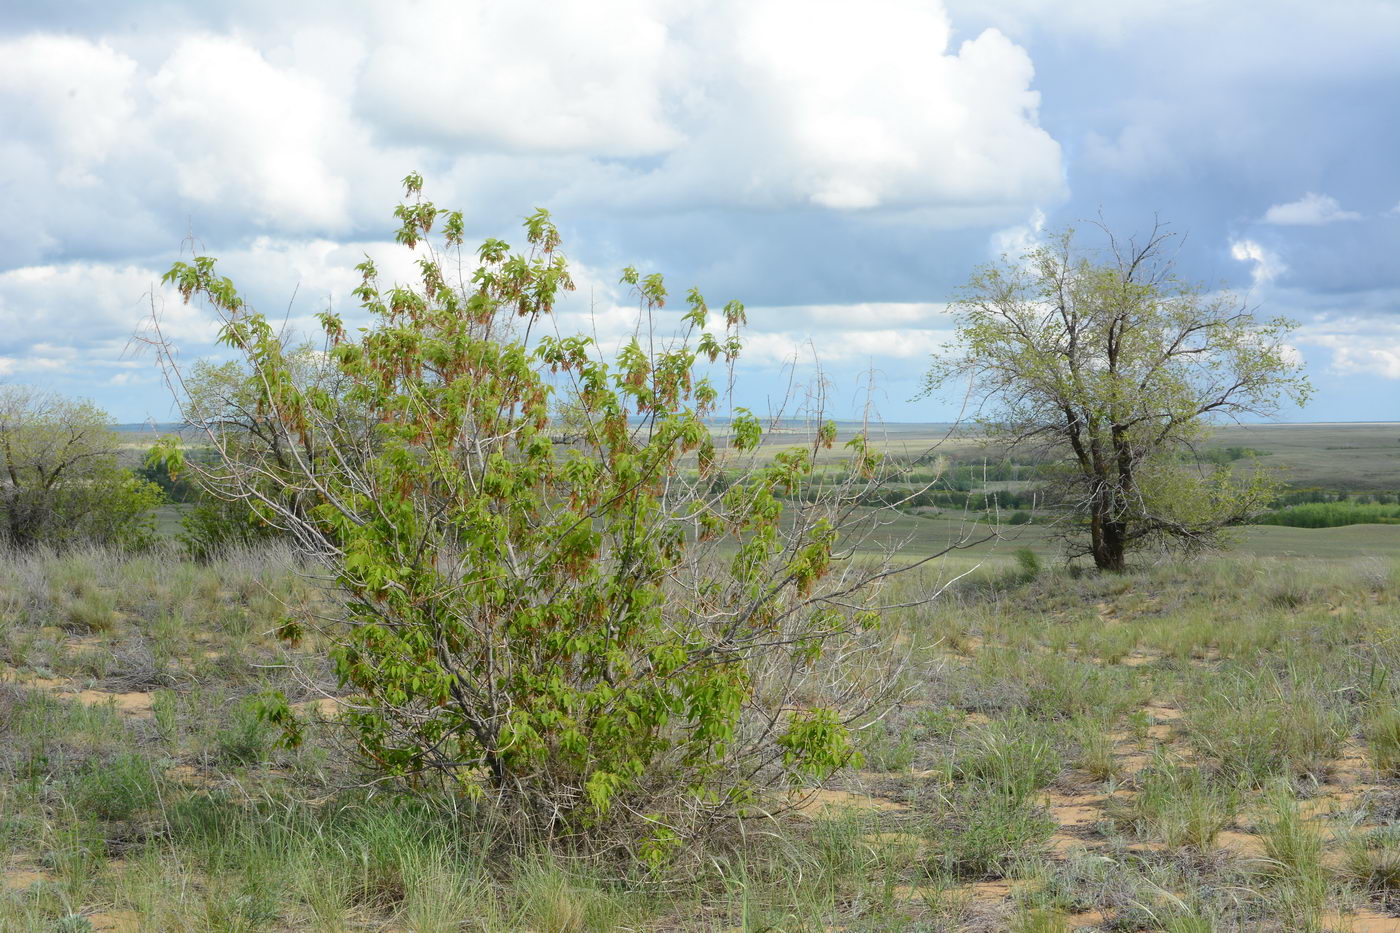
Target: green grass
(1175, 709)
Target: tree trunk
(1108, 537)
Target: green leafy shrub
(588, 631)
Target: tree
(221, 401)
(60, 482)
(590, 632)
(1115, 368)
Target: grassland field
(1190, 747)
(1352, 458)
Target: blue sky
(841, 168)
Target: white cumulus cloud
(1310, 210)
(1267, 265)
(1359, 345)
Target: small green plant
(1028, 562)
(248, 739)
(164, 708)
(1293, 850)
(1371, 858)
(93, 611)
(1181, 805)
(1383, 738)
(1191, 921)
(887, 749)
(1041, 920)
(1013, 757)
(986, 831)
(555, 902)
(1095, 755)
(1257, 728)
(1292, 845)
(116, 789)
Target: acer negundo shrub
(596, 633)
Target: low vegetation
(1072, 752)
(1332, 515)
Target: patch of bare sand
(1365, 920)
(981, 892)
(824, 802)
(22, 879)
(189, 776)
(966, 645)
(1077, 816)
(115, 921)
(1352, 767)
(133, 703)
(1245, 845)
(128, 704)
(324, 707)
(1087, 920)
(988, 890)
(1162, 713)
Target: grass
(1180, 805)
(1191, 746)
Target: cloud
(1380, 360)
(1309, 211)
(304, 126)
(247, 132)
(841, 169)
(1267, 265)
(526, 78)
(852, 110)
(1358, 344)
(1015, 242)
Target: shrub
(590, 631)
(215, 527)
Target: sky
(840, 168)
